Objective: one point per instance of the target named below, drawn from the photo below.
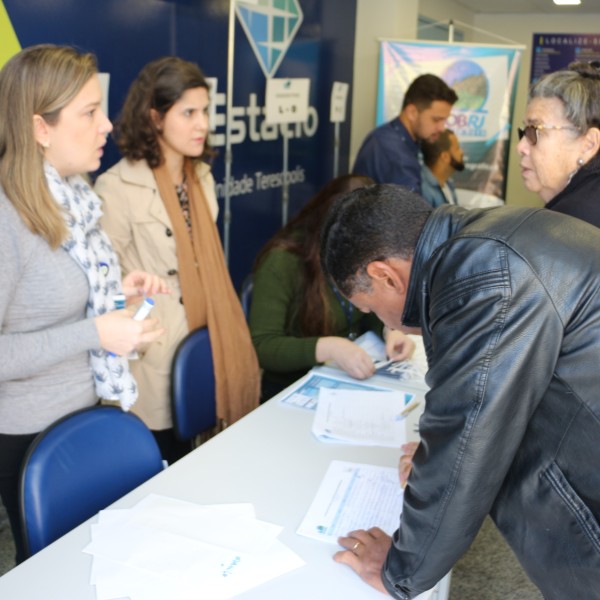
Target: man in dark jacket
(508, 302)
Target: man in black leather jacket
(508, 302)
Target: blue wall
(126, 34)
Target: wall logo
(270, 27)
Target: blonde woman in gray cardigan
(59, 338)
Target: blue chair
(246, 295)
(193, 395)
(79, 465)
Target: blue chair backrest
(79, 465)
(193, 395)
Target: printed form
(354, 496)
(362, 417)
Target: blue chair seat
(193, 395)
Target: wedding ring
(355, 546)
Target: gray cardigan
(44, 333)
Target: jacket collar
(589, 171)
(443, 224)
(428, 176)
(138, 173)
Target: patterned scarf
(91, 249)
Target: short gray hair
(578, 88)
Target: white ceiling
(530, 6)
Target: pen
(409, 408)
(144, 310)
(382, 363)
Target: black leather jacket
(509, 304)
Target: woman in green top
(297, 319)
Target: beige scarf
(210, 299)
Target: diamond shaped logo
(270, 26)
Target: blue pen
(142, 312)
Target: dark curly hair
(369, 224)
(158, 86)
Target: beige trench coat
(137, 223)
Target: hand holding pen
(121, 333)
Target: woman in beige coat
(159, 211)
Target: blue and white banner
(484, 78)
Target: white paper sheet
(362, 417)
(354, 496)
(168, 548)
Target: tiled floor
(490, 571)
(7, 548)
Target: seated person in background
(297, 319)
(442, 158)
(559, 144)
(390, 153)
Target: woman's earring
(580, 162)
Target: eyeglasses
(531, 131)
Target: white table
(269, 458)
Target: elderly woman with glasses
(560, 141)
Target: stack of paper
(363, 417)
(167, 548)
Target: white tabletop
(270, 459)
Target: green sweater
(283, 353)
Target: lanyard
(348, 309)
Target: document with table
(362, 418)
(353, 496)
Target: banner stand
(286, 103)
(229, 121)
(484, 76)
(337, 115)
(336, 149)
(285, 188)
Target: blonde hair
(39, 80)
